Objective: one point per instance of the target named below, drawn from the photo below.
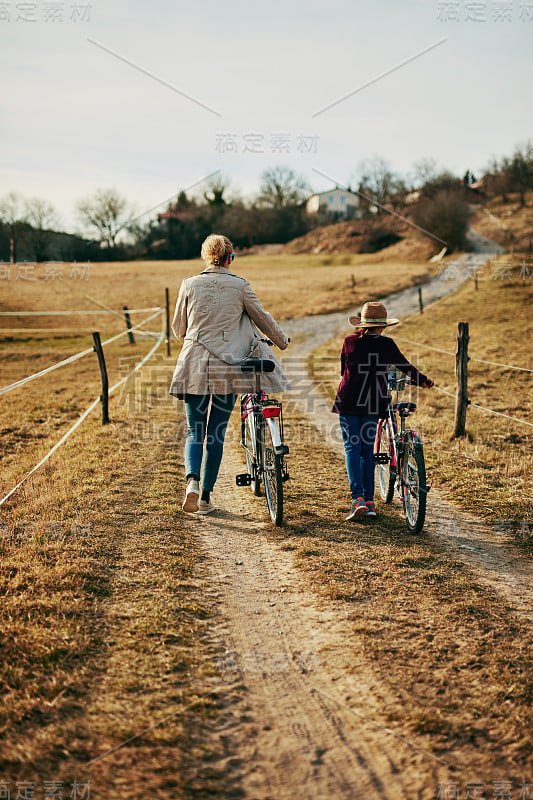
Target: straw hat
(373, 315)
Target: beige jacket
(208, 317)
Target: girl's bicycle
(262, 439)
(399, 458)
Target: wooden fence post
(420, 303)
(128, 325)
(167, 304)
(461, 371)
(104, 397)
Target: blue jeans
(358, 435)
(207, 419)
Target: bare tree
(378, 185)
(107, 213)
(444, 181)
(444, 215)
(13, 215)
(42, 216)
(520, 171)
(281, 187)
(216, 186)
(425, 171)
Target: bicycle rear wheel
(272, 475)
(250, 448)
(414, 484)
(385, 475)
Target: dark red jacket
(365, 362)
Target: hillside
(387, 234)
(507, 223)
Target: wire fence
(74, 313)
(470, 358)
(72, 359)
(479, 361)
(77, 356)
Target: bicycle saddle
(404, 408)
(257, 365)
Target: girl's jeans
(207, 419)
(358, 435)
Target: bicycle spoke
(385, 476)
(414, 484)
(251, 451)
(273, 476)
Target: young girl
(362, 398)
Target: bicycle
(399, 459)
(262, 440)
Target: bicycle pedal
(283, 450)
(244, 479)
(381, 458)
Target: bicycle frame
(262, 410)
(262, 440)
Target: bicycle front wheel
(385, 476)
(251, 450)
(272, 475)
(414, 485)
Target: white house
(337, 203)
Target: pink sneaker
(358, 509)
(370, 509)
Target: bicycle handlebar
(271, 344)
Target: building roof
(336, 189)
(181, 215)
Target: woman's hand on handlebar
(271, 344)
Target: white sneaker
(205, 508)
(192, 492)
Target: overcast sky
(421, 79)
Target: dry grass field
(288, 286)
(105, 622)
(67, 531)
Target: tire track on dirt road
(307, 727)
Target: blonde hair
(216, 249)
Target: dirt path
(311, 727)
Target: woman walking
(362, 398)
(212, 316)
